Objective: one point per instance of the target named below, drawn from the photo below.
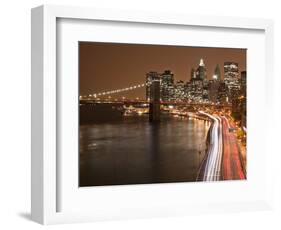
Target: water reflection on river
(134, 151)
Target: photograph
(152, 113)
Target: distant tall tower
(230, 73)
(167, 85)
(231, 80)
(217, 73)
(201, 72)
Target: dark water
(134, 151)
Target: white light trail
(212, 169)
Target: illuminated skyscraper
(188, 90)
(231, 80)
(201, 72)
(230, 72)
(198, 88)
(167, 85)
(231, 76)
(196, 93)
(179, 93)
(214, 90)
(222, 93)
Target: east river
(135, 151)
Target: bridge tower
(154, 104)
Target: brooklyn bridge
(153, 103)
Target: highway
(232, 167)
(222, 161)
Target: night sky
(109, 66)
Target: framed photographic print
(139, 114)
(179, 130)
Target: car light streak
(212, 170)
(232, 166)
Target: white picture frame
(47, 182)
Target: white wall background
(15, 112)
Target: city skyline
(109, 66)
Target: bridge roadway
(140, 102)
